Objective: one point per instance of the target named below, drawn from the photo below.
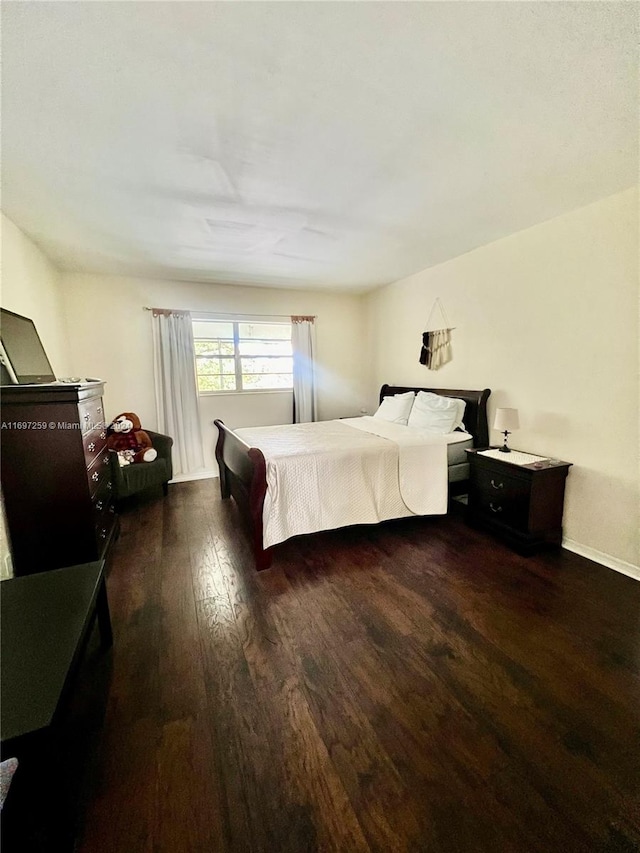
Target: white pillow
(396, 409)
(436, 414)
(459, 424)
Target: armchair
(143, 475)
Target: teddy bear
(127, 438)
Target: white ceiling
(314, 144)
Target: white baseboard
(199, 475)
(604, 559)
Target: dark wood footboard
(243, 476)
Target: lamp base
(504, 448)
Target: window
(238, 355)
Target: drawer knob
(99, 505)
(91, 447)
(95, 476)
(105, 461)
(493, 508)
(103, 434)
(103, 533)
(109, 485)
(87, 416)
(496, 485)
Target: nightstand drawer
(501, 497)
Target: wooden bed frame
(243, 470)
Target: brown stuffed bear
(128, 439)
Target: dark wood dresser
(521, 503)
(56, 475)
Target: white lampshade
(506, 419)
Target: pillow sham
(396, 409)
(459, 424)
(436, 414)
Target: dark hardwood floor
(411, 687)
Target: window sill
(245, 393)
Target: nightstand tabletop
(542, 463)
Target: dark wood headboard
(475, 413)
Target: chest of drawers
(56, 476)
(521, 503)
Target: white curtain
(176, 392)
(305, 398)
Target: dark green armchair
(129, 479)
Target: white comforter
(331, 474)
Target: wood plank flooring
(411, 687)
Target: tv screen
(22, 353)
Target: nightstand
(521, 503)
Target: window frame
(236, 320)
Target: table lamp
(506, 421)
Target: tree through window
(241, 355)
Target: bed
(272, 472)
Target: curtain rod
(222, 313)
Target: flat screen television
(21, 352)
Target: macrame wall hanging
(436, 342)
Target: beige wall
(548, 319)
(110, 338)
(31, 287)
